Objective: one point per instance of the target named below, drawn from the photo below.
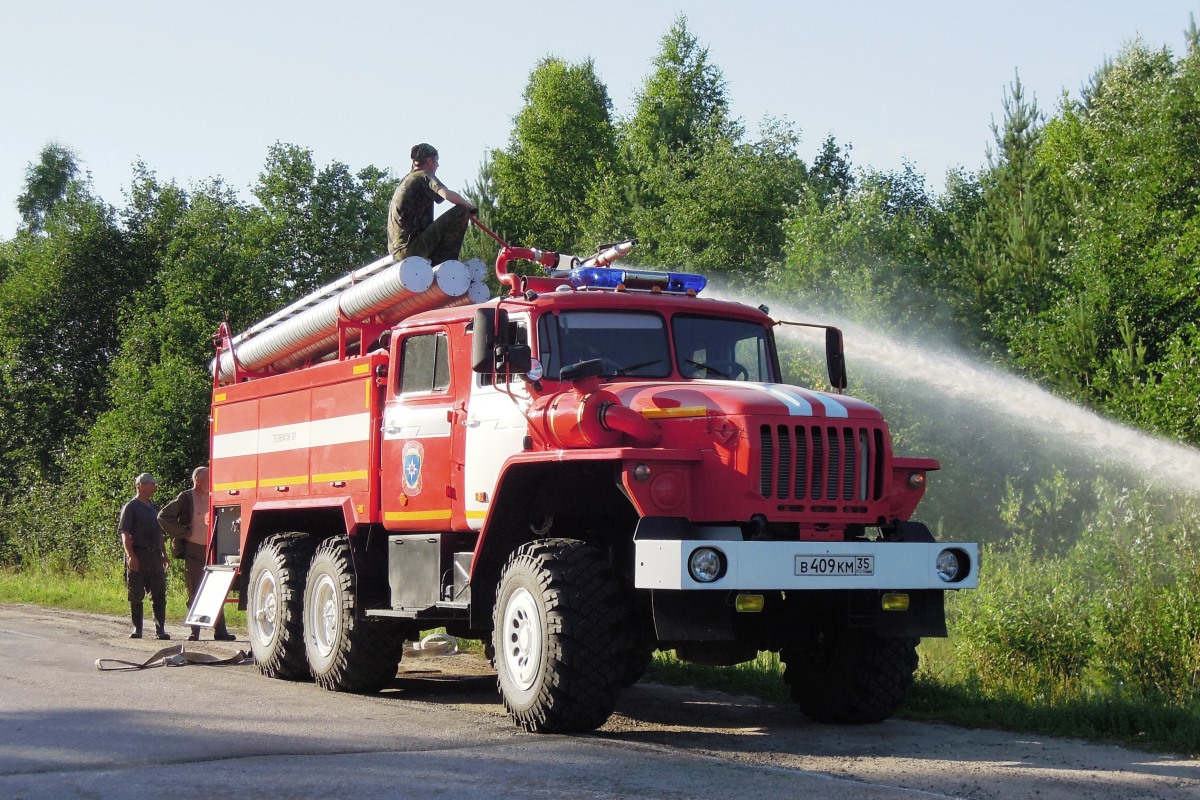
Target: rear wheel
(273, 606)
(344, 653)
(559, 612)
(850, 676)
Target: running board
(210, 597)
(439, 611)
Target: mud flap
(925, 617)
(691, 616)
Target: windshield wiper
(632, 367)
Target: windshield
(634, 344)
(629, 343)
(730, 349)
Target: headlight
(952, 565)
(706, 564)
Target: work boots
(135, 614)
(160, 619)
(221, 633)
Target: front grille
(815, 463)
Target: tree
(723, 209)
(319, 224)
(831, 174)
(59, 306)
(478, 244)
(865, 253)
(137, 334)
(46, 183)
(681, 113)
(1014, 239)
(1127, 159)
(683, 104)
(697, 195)
(562, 144)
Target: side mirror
(835, 358)
(518, 358)
(488, 330)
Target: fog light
(952, 565)
(641, 473)
(895, 601)
(706, 564)
(749, 603)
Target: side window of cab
(425, 365)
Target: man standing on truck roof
(145, 559)
(412, 230)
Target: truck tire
(559, 611)
(850, 676)
(636, 659)
(344, 653)
(274, 596)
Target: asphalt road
(68, 729)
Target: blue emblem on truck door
(413, 457)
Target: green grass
(95, 592)
(99, 591)
(1139, 724)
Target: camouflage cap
(422, 151)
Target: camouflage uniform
(412, 230)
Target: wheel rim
(325, 617)
(266, 608)
(522, 638)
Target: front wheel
(345, 654)
(559, 612)
(848, 675)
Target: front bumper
(792, 565)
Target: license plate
(835, 566)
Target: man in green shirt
(412, 230)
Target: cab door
(417, 474)
(496, 425)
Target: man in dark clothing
(184, 518)
(412, 230)
(145, 558)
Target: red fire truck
(598, 464)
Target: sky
(202, 90)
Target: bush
(1116, 615)
(1022, 631)
(1144, 554)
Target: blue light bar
(610, 278)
